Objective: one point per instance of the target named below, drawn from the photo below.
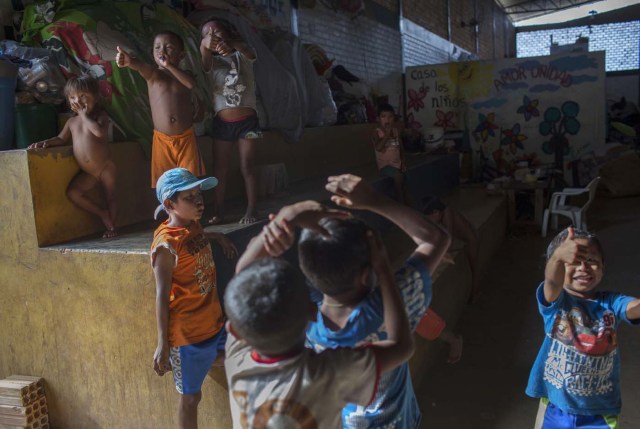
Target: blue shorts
(552, 417)
(190, 364)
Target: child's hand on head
(123, 59)
(350, 191)
(278, 236)
(570, 251)
(307, 214)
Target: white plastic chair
(558, 206)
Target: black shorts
(247, 127)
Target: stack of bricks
(23, 403)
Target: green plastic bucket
(35, 122)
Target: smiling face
(187, 207)
(166, 48)
(581, 279)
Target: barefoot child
(88, 131)
(229, 60)
(172, 110)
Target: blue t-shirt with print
(578, 366)
(395, 404)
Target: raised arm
(379, 142)
(399, 346)
(432, 240)
(568, 252)
(633, 310)
(279, 234)
(124, 59)
(163, 270)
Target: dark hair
(333, 263)
(228, 27)
(578, 233)
(430, 203)
(173, 35)
(82, 83)
(385, 107)
(267, 304)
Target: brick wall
(430, 14)
(368, 49)
(620, 41)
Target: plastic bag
(38, 74)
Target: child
(389, 152)
(229, 60)
(274, 380)
(189, 317)
(172, 111)
(88, 131)
(459, 228)
(339, 266)
(577, 372)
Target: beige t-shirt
(307, 390)
(234, 84)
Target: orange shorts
(431, 325)
(169, 152)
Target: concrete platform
(80, 313)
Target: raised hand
(223, 48)
(209, 41)
(350, 191)
(570, 251)
(307, 214)
(123, 59)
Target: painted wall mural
(540, 110)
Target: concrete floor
(503, 331)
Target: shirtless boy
(172, 111)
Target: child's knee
(190, 400)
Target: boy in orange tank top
(189, 316)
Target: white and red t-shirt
(304, 391)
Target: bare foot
(248, 220)
(110, 233)
(455, 349)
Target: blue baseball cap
(176, 180)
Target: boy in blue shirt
(577, 372)
(351, 313)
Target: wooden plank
(23, 400)
(41, 423)
(38, 381)
(36, 408)
(10, 389)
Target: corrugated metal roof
(519, 10)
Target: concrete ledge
(321, 152)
